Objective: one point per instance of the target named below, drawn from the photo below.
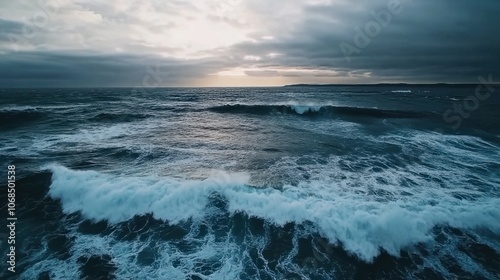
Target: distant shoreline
(387, 85)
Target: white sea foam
(365, 210)
(99, 136)
(343, 212)
(27, 108)
(169, 263)
(401, 91)
(17, 108)
(305, 109)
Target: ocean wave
(41, 108)
(316, 110)
(100, 136)
(364, 226)
(401, 91)
(17, 108)
(10, 118)
(119, 117)
(15, 116)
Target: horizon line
(247, 86)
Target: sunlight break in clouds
(243, 42)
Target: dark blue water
(366, 182)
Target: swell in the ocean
(224, 226)
(10, 118)
(316, 110)
(363, 225)
(318, 184)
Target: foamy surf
(319, 183)
(363, 225)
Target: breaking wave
(364, 225)
(316, 110)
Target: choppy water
(261, 183)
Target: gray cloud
(48, 69)
(428, 41)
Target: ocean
(300, 182)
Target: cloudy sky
(55, 43)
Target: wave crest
(316, 110)
(13, 118)
(363, 226)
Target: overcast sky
(55, 43)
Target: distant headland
(386, 85)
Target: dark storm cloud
(9, 27)
(427, 41)
(47, 69)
